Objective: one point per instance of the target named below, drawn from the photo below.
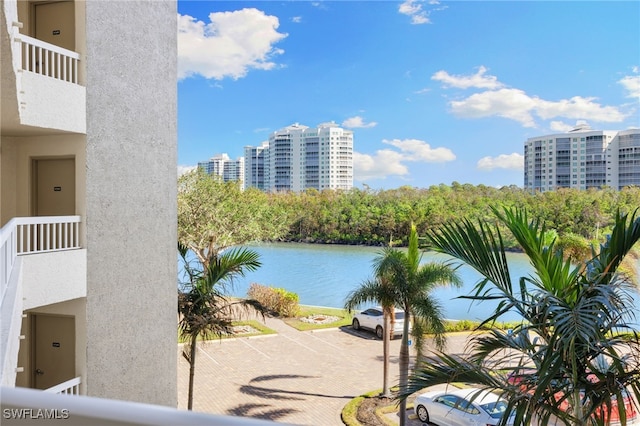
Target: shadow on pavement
(257, 411)
(363, 334)
(282, 394)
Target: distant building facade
(582, 158)
(229, 170)
(255, 158)
(298, 157)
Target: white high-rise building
(582, 158)
(298, 157)
(254, 165)
(229, 170)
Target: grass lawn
(259, 326)
(306, 311)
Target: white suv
(372, 319)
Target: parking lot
(294, 377)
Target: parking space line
(207, 355)
(326, 342)
(254, 348)
(304, 346)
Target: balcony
(33, 251)
(40, 81)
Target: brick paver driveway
(302, 378)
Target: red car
(632, 417)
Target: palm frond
(479, 247)
(625, 235)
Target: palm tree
(379, 291)
(205, 311)
(404, 283)
(576, 352)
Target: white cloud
(230, 45)
(385, 162)
(513, 161)
(631, 83)
(479, 80)
(296, 19)
(414, 9)
(560, 126)
(579, 108)
(357, 122)
(508, 103)
(390, 162)
(516, 105)
(409, 7)
(420, 18)
(417, 150)
(185, 169)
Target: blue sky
(435, 92)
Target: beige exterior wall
(50, 278)
(125, 174)
(16, 173)
(131, 200)
(76, 308)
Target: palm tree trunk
(404, 367)
(192, 370)
(385, 358)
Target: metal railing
(49, 60)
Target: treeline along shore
(218, 215)
(383, 217)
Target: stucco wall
(17, 156)
(52, 103)
(131, 200)
(8, 174)
(55, 277)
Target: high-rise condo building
(582, 158)
(254, 166)
(229, 170)
(298, 157)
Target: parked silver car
(372, 319)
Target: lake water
(324, 275)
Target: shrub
(278, 300)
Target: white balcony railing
(70, 387)
(27, 235)
(49, 60)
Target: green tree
(576, 328)
(402, 278)
(205, 311)
(214, 215)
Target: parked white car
(372, 319)
(456, 408)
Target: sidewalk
(295, 377)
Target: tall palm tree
(575, 352)
(205, 310)
(403, 282)
(379, 291)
